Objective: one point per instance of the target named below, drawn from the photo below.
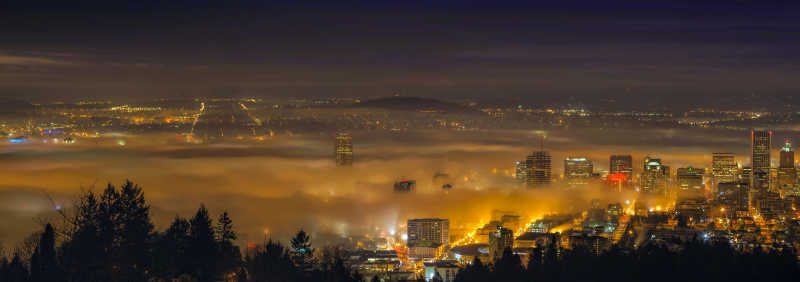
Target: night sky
(666, 53)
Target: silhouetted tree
(333, 269)
(43, 266)
(3, 267)
(170, 258)
(508, 267)
(135, 230)
(15, 271)
(230, 258)
(85, 255)
(111, 235)
(108, 230)
(534, 268)
(202, 246)
(83, 258)
(474, 272)
(552, 268)
(28, 246)
(270, 263)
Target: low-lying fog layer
(282, 184)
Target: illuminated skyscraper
(654, 177)
(690, 181)
(539, 169)
(521, 171)
(745, 175)
(621, 170)
(405, 186)
(787, 155)
(577, 171)
(429, 229)
(787, 175)
(621, 164)
(723, 169)
(498, 241)
(761, 143)
(734, 198)
(344, 149)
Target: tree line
(693, 260)
(109, 236)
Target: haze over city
(396, 141)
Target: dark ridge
(415, 104)
(10, 106)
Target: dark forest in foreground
(109, 236)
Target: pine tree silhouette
(202, 247)
(230, 258)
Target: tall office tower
(538, 169)
(405, 186)
(734, 198)
(621, 169)
(577, 171)
(498, 241)
(344, 149)
(434, 230)
(723, 169)
(771, 206)
(761, 143)
(746, 174)
(654, 177)
(787, 174)
(521, 171)
(690, 181)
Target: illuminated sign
(617, 177)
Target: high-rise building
(654, 177)
(521, 171)
(429, 229)
(614, 211)
(745, 174)
(761, 143)
(344, 149)
(498, 241)
(620, 171)
(539, 169)
(405, 186)
(577, 171)
(734, 196)
(621, 164)
(723, 169)
(596, 216)
(690, 181)
(770, 205)
(787, 174)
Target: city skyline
(387, 141)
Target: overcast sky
(673, 52)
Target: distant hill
(415, 104)
(9, 106)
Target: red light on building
(617, 177)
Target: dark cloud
(515, 50)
